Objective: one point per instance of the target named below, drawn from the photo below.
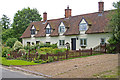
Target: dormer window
(62, 29)
(33, 30)
(48, 30)
(83, 27)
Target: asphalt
(6, 73)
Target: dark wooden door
(73, 43)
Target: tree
(7, 34)
(5, 22)
(23, 18)
(115, 24)
(10, 42)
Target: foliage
(10, 42)
(7, 34)
(22, 50)
(5, 21)
(5, 51)
(18, 45)
(115, 24)
(56, 50)
(23, 18)
(46, 49)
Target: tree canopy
(115, 24)
(5, 22)
(23, 18)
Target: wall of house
(93, 40)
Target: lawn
(6, 62)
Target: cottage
(81, 31)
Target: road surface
(6, 73)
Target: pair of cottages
(81, 32)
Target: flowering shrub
(18, 45)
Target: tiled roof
(97, 25)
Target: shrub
(46, 49)
(10, 42)
(54, 45)
(5, 51)
(22, 50)
(56, 50)
(18, 45)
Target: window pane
(81, 42)
(83, 27)
(59, 42)
(102, 40)
(63, 42)
(85, 42)
(62, 29)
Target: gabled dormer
(48, 29)
(83, 26)
(61, 28)
(33, 30)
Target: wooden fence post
(67, 54)
(58, 56)
(105, 48)
(47, 55)
(91, 51)
(79, 52)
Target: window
(83, 27)
(83, 42)
(102, 40)
(48, 30)
(61, 42)
(37, 42)
(32, 31)
(28, 43)
(62, 29)
(47, 42)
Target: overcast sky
(54, 8)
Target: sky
(54, 8)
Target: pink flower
(8, 54)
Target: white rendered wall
(92, 39)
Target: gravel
(77, 68)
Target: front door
(73, 43)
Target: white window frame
(82, 27)
(61, 29)
(101, 41)
(49, 30)
(83, 42)
(61, 42)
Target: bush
(112, 47)
(10, 42)
(5, 51)
(22, 50)
(56, 50)
(18, 45)
(46, 49)
(54, 46)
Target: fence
(60, 55)
(68, 54)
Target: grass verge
(6, 62)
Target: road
(6, 73)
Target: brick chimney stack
(101, 6)
(44, 16)
(67, 12)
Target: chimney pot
(67, 12)
(44, 16)
(101, 6)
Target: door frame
(73, 44)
